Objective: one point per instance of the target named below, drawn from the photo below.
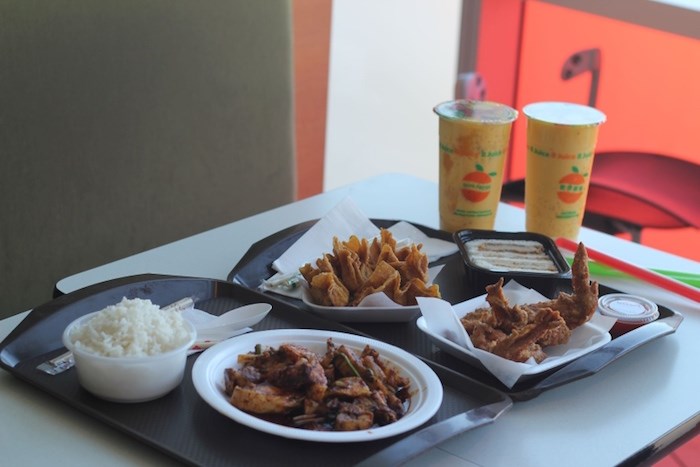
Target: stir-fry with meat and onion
(340, 391)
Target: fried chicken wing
(524, 342)
(507, 318)
(522, 331)
(576, 308)
(483, 335)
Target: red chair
(630, 191)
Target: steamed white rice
(131, 328)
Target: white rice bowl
(130, 352)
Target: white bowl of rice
(132, 351)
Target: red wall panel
(648, 80)
(649, 83)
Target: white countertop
(647, 396)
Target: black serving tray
(455, 287)
(181, 424)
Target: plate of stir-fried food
(364, 280)
(317, 385)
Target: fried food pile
(521, 331)
(339, 391)
(358, 268)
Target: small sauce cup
(631, 311)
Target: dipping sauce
(531, 259)
(510, 255)
(631, 311)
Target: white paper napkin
(434, 248)
(443, 319)
(344, 220)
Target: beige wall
(391, 62)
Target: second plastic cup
(561, 142)
(474, 138)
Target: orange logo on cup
(476, 185)
(571, 186)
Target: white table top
(648, 396)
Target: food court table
(638, 405)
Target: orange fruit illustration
(571, 186)
(476, 185)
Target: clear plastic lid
(564, 113)
(629, 309)
(476, 111)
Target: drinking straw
(646, 275)
(599, 269)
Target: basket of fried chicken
(515, 332)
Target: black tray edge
(39, 313)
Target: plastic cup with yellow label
(561, 142)
(474, 139)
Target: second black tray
(256, 266)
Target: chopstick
(646, 275)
